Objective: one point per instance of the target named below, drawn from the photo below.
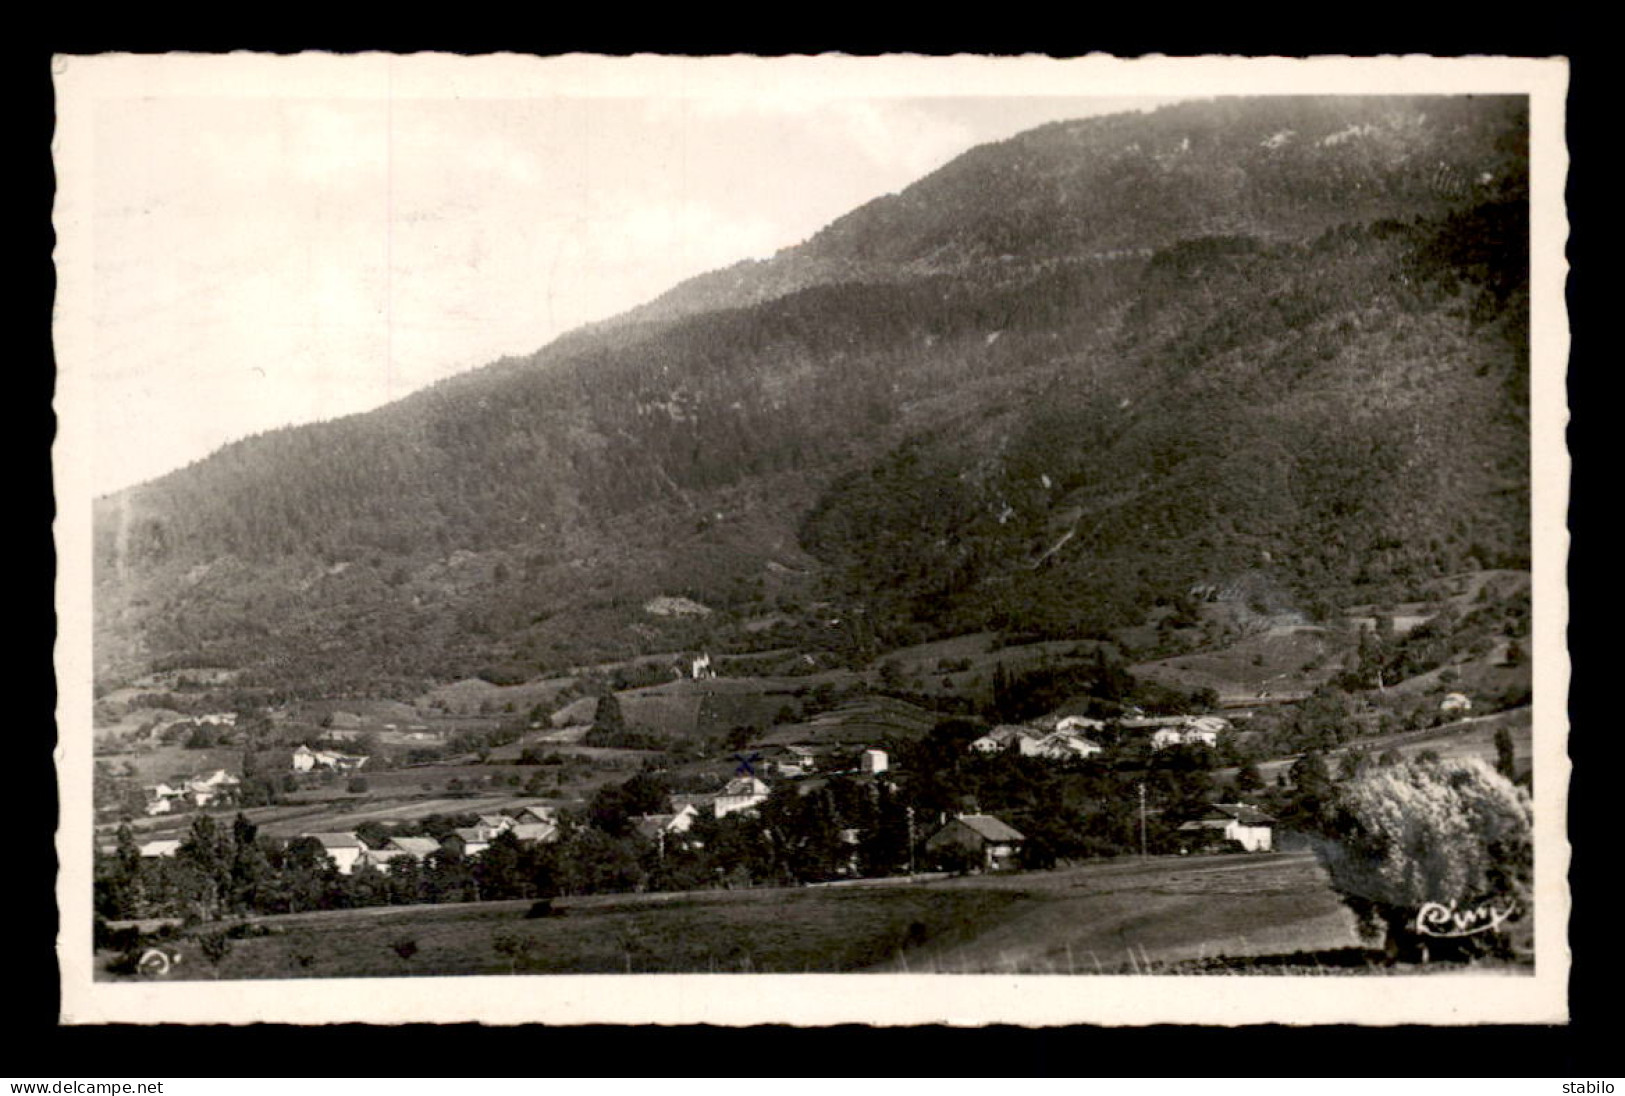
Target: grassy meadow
(1258, 913)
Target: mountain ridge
(875, 408)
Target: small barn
(995, 842)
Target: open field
(1100, 917)
(761, 931)
(979, 653)
(472, 695)
(1287, 660)
(343, 817)
(171, 763)
(1124, 916)
(293, 819)
(871, 720)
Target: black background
(35, 1047)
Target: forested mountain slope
(1280, 342)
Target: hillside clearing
(1470, 737)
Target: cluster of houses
(347, 851)
(307, 760)
(532, 825)
(797, 760)
(747, 791)
(1064, 742)
(163, 730)
(989, 842)
(996, 845)
(743, 793)
(1179, 730)
(208, 789)
(1069, 737)
(199, 791)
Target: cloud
(900, 140)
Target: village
(973, 759)
(992, 843)
(1016, 768)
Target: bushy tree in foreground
(1455, 833)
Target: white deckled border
(813, 999)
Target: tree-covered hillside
(1280, 342)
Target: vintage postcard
(811, 540)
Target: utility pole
(1144, 855)
(910, 813)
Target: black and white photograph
(640, 539)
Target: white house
(1456, 702)
(470, 841)
(691, 801)
(1249, 827)
(305, 759)
(415, 847)
(537, 813)
(657, 827)
(795, 761)
(494, 824)
(1057, 745)
(1190, 731)
(539, 833)
(161, 798)
(872, 761)
(1165, 737)
(742, 793)
(382, 858)
(203, 790)
(164, 848)
(1068, 746)
(1008, 736)
(1079, 723)
(344, 849)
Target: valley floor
(1258, 913)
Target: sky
(295, 249)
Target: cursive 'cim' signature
(1437, 919)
